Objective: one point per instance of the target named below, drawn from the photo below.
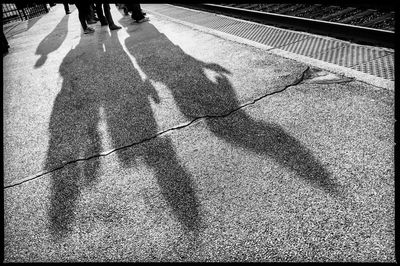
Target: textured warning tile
(366, 59)
(177, 13)
(381, 67)
(197, 18)
(159, 8)
(349, 55)
(218, 22)
(263, 34)
(312, 46)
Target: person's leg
(83, 10)
(99, 10)
(81, 15)
(126, 11)
(4, 43)
(107, 13)
(66, 8)
(90, 14)
(94, 12)
(136, 12)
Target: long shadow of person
(52, 41)
(101, 76)
(130, 119)
(73, 134)
(198, 96)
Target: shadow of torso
(101, 85)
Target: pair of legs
(66, 8)
(83, 13)
(106, 18)
(137, 13)
(92, 19)
(123, 7)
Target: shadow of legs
(65, 192)
(175, 183)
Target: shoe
(143, 20)
(96, 18)
(103, 23)
(115, 27)
(88, 30)
(91, 21)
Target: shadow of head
(52, 41)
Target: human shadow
(73, 134)
(130, 119)
(101, 83)
(31, 22)
(198, 96)
(52, 41)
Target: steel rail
(353, 33)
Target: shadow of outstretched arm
(271, 140)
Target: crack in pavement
(297, 81)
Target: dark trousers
(66, 7)
(106, 18)
(91, 15)
(137, 13)
(83, 12)
(4, 43)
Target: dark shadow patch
(198, 96)
(100, 83)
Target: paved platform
(163, 142)
(371, 64)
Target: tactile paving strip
(177, 13)
(312, 46)
(382, 67)
(161, 8)
(351, 54)
(198, 18)
(366, 59)
(273, 37)
(218, 22)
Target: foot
(103, 23)
(91, 21)
(88, 30)
(115, 27)
(143, 20)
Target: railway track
(366, 24)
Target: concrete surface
(159, 142)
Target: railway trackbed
(362, 24)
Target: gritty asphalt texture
(159, 142)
